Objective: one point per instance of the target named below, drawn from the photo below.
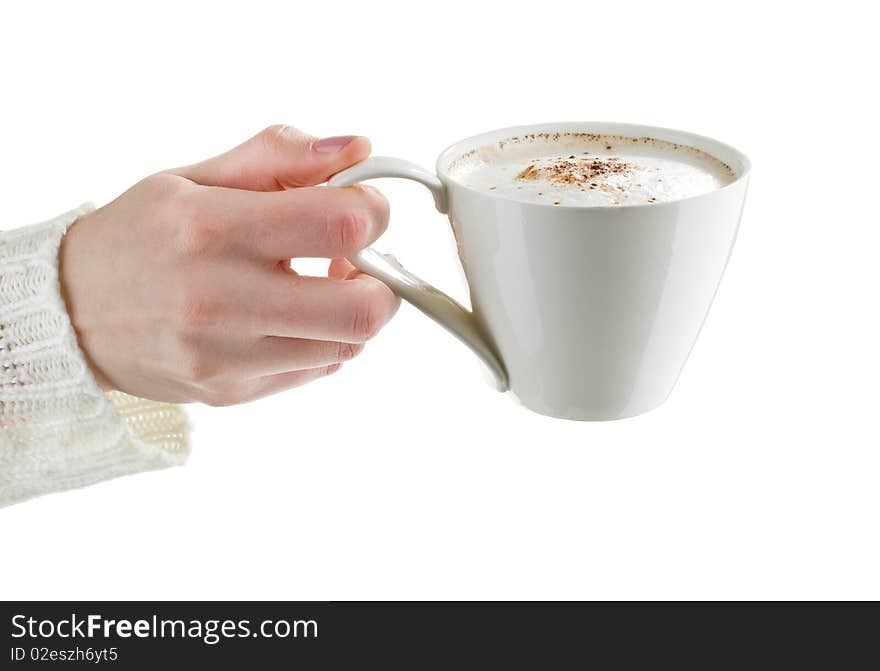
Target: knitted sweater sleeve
(58, 429)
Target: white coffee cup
(584, 313)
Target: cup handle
(447, 312)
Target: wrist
(76, 292)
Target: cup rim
(734, 158)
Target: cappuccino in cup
(592, 252)
(590, 170)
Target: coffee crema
(590, 170)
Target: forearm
(58, 429)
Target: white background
(405, 476)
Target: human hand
(180, 289)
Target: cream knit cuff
(58, 429)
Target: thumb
(280, 157)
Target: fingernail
(330, 145)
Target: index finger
(317, 221)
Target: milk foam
(590, 170)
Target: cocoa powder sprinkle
(576, 171)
